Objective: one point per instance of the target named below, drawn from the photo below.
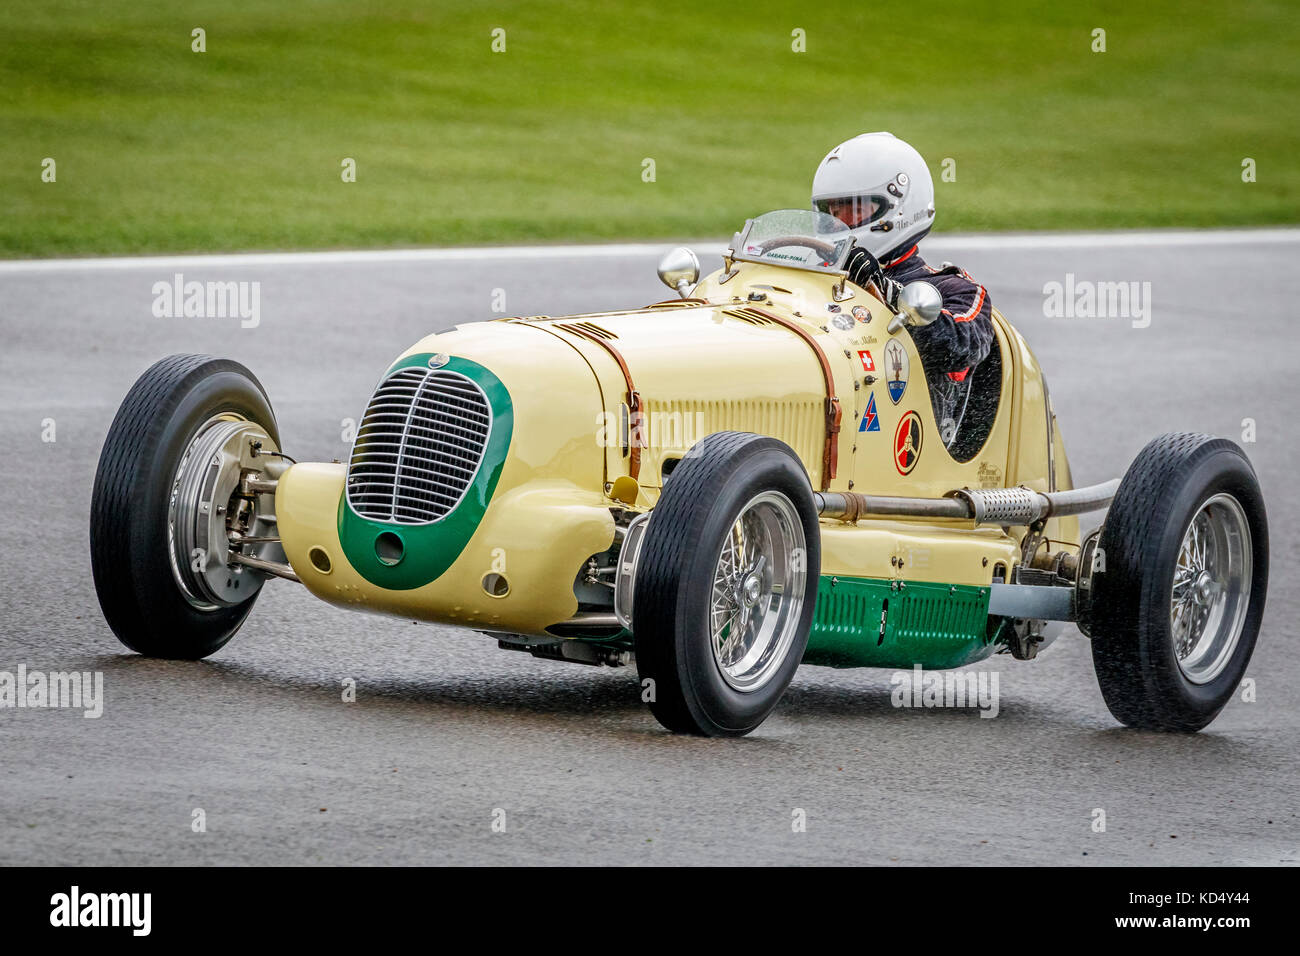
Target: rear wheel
(726, 585)
(1177, 608)
(166, 493)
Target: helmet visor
(855, 211)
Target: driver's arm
(963, 334)
(960, 338)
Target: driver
(880, 188)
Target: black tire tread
(685, 504)
(1127, 608)
(139, 424)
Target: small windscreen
(797, 238)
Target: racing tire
(141, 589)
(726, 585)
(1179, 592)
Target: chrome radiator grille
(419, 446)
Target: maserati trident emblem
(897, 369)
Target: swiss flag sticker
(867, 364)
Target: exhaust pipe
(1001, 506)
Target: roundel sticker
(907, 443)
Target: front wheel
(726, 585)
(1179, 592)
(167, 497)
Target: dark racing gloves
(864, 268)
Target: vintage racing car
(717, 488)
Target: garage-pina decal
(907, 443)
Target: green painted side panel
(430, 549)
(868, 622)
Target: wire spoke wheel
(1176, 610)
(1207, 606)
(726, 585)
(757, 591)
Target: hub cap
(1211, 589)
(758, 590)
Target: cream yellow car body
(717, 361)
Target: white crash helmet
(881, 188)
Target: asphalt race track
(447, 730)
